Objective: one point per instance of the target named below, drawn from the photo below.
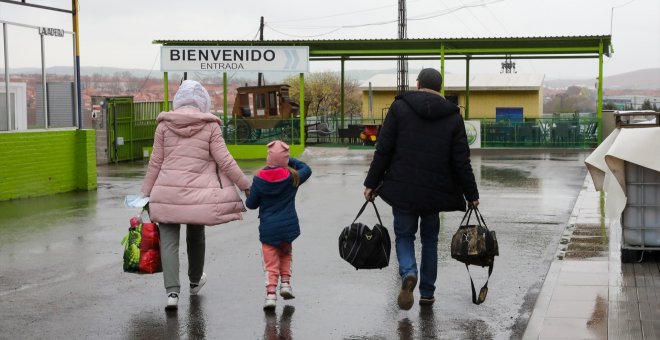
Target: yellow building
(489, 93)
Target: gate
(130, 127)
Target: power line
(149, 74)
(334, 15)
(452, 10)
(476, 19)
(303, 36)
(498, 20)
(612, 13)
(417, 18)
(461, 20)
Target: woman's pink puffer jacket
(191, 174)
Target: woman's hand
(246, 192)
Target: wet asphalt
(61, 261)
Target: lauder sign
(234, 58)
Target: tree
(323, 93)
(609, 106)
(646, 105)
(575, 98)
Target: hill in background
(646, 79)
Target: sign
(55, 32)
(473, 132)
(96, 109)
(234, 58)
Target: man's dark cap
(430, 78)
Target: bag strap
(484, 290)
(362, 210)
(480, 218)
(477, 214)
(468, 214)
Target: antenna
(402, 62)
(508, 65)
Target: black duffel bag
(364, 247)
(475, 244)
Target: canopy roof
(476, 48)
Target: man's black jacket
(422, 159)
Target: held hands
(247, 193)
(473, 203)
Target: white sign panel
(55, 32)
(473, 132)
(235, 58)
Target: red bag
(142, 246)
(150, 249)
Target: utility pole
(261, 38)
(402, 63)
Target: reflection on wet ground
(61, 262)
(508, 177)
(279, 329)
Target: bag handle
(468, 214)
(484, 290)
(480, 219)
(362, 210)
(479, 216)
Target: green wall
(37, 163)
(259, 151)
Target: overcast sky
(119, 33)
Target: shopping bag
(364, 247)
(475, 244)
(142, 246)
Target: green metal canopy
(560, 47)
(547, 47)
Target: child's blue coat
(273, 193)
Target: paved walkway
(588, 293)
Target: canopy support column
(166, 93)
(302, 109)
(442, 68)
(467, 87)
(224, 99)
(342, 93)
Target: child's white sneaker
(172, 301)
(285, 291)
(271, 300)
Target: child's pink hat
(278, 154)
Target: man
(421, 167)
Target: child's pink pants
(277, 262)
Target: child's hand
(247, 192)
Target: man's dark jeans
(405, 228)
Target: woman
(190, 180)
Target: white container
(641, 217)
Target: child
(274, 191)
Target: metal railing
(579, 132)
(548, 132)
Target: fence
(131, 126)
(552, 132)
(541, 132)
